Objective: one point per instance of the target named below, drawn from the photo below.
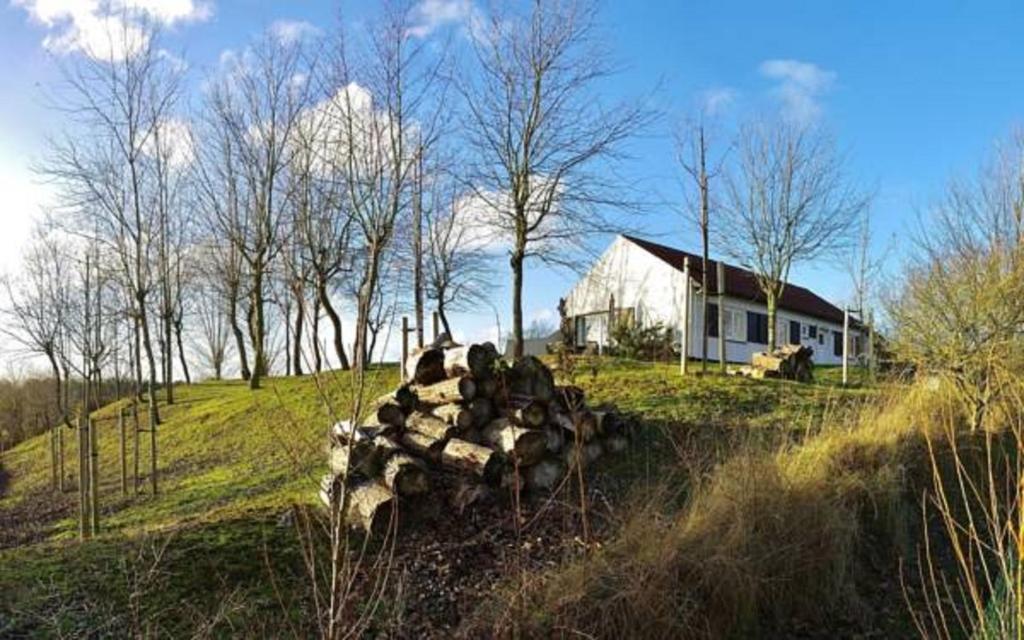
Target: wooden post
(124, 452)
(83, 478)
(405, 345)
(611, 321)
(871, 346)
(60, 454)
(684, 330)
(437, 325)
(846, 343)
(721, 316)
(135, 444)
(94, 477)
(53, 454)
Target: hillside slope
(232, 464)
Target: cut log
(526, 412)
(527, 446)
(581, 425)
(367, 505)
(403, 396)
(465, 456)
(616, 444)
(545, 475)
(362, 459)
(583, 455)
(423, 445)
(354, 459)
(425, 366)
(344, 430)
(455, 415)
(475, 359)
(446, 391)
(530, 377)
(391, 414)
(405, 476)
(431, 426)
(555, 438)
(486, 387)
(482, 410)
(607, 422)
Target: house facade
(645, 283)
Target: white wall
(654, 289)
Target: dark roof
(741, 283)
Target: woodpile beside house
(464, 411)
(788, 362)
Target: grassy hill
(214, 551)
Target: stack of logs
(464, 410)
(789, 362)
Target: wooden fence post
(721, 316)
(124, 451)
(684, 340)
(405, 345)
(846, 343)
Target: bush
(642, 343)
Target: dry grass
(767, 538)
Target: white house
(645, 282)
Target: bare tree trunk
(257, 329)
(417, 246)
(444, 318)
(772, 305)
(339, 348)
(317, 359)
(300, 318)
(517, 301)
(154, 414)
(178, 330)
(243, 358)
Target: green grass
(232, 461)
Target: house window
(712, 320)
(757, 327)
(581, 331)
(812, 331)
(838, 344)
(821, 337)
(794, 332)
(735, 328)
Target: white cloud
(292, 31)
(716, 100)
(111, 29)
(430, 15)
(800, 86)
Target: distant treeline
(28, 405)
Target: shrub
(652, 342)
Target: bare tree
(38, 306)
(322, 220)
(104, 171)
(221, 194)
(863, 264)
(693, 143)
(544, 143)
(788, 202)
(458, 267)
(258, 102)
(387, 112)
(213, 342)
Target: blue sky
(916, 92)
